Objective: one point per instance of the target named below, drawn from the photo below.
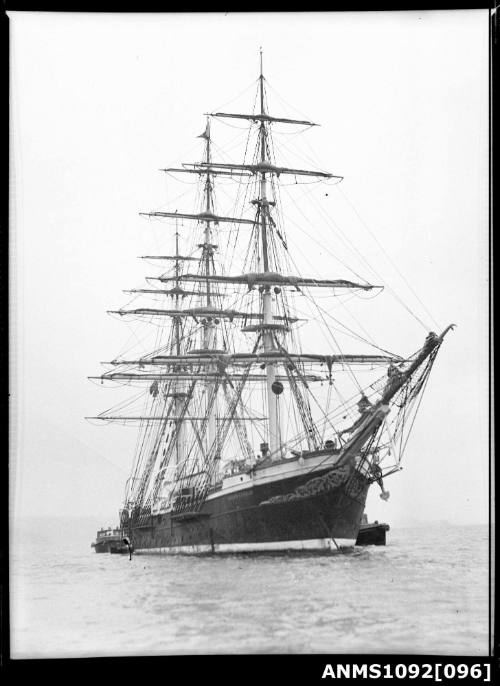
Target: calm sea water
(426, 592)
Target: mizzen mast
(179, 384)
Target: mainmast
(207, 257)
(267, 303)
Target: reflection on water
(425, 592)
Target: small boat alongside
(110, 541)
(371, 533)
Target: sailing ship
(245, 443)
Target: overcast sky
(100, 102)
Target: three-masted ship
(243, 445)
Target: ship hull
(246, 521)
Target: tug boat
(110, 541)
(371, 533)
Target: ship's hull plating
(243, 522)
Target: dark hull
(372, 534)
(242, 521)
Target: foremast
(267, 301)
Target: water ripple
(409, 597)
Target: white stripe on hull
(288, 469)
(268, 546)
(284, 470)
